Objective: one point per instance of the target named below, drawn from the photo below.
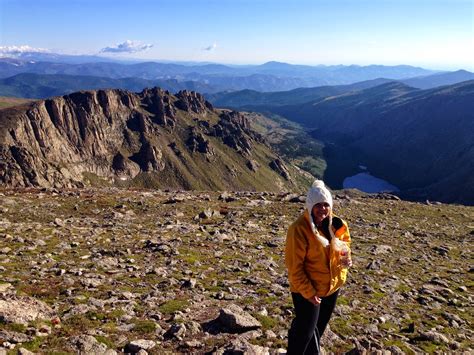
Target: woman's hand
(345, 258)
(346, 261)
(314, 300)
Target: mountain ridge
(149, 139)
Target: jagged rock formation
(280, 168)
(151, 138)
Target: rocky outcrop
(234, 130)
(252, 165)
(191, 101)
(55, 141)
(158, 102)
(280, 168)
(124, 166)
(111, 136)
(198, 143)
(149, 158)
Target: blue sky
(436, 34)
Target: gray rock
(242, 347)
(329, 337)
(190, 283)
(381, 249)
(434, 336)
(141, 344)
(374, 265)
(177, 330)
(87, 344)
(23, 309)
(208, 213)
(193, 327)
(235, 319)
(14, 337)
(5, 287)
(193, 344)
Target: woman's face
(320, 211)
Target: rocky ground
(111, 271)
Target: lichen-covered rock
(23, 309)
(235, 319)
(87, 344)
(243, 347)
(141, 344)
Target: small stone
(177, 330)
(190, 283)
(141, 344)
(193, 344)
(59, 222)
(87, 344)
(436, 337)
(5, 287)
(193, 328)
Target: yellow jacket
(312, 268)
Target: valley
(383, 127)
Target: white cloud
(19, 50)
(211, 47)
(127, 47)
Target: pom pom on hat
(318, 193)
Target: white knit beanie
(317, 193)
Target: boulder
(23, 309)
(87, 344)
(235, 320)
(141, 344)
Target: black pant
(309, 324)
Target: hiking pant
(309, 323)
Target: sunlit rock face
(147, 139)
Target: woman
(316, 269)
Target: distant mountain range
(271, 76)
(28, 85)
(420, 140)
(30, 79)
